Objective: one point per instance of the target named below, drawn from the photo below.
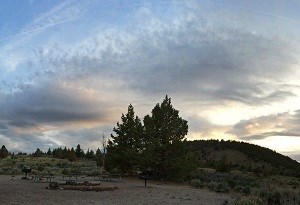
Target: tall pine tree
(124, 150)
(3, 152)
(164, 132)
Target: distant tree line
(71, 154)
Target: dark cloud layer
(50, 103)
(25, 115)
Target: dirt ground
(14, 190)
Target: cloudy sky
(69, 69)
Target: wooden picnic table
(71, 177)
(40, 177)
(108, 177)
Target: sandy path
(13, 190)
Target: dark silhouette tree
(72, 156)
(163, 131)
(90, 154)
(65, 153)
(3, 152)
(49, 152)
(57, 153)
(38, 153)
(79, 152)
(98, 157)
(124, 149)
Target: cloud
(74, 81)
(200, 127)
(12, 51)
(28, 115)
(183, 55)
(53, 103)
(282, 124)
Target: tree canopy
(3, 152)
(154, 147)
(123, 150)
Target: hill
(233, 155)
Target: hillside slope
(234, 155)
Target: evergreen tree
(164, 131)
(92, 154)
(38, 153)
(58, 153)
(98, 157)
(65, 154)
(49, 152)
(72, 156)
(3, 152)
(124, 150)
(87, 154)
(79, 152)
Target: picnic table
(145, 177)
(40, 177)
(108, 177)
(26, 170)
(70, 177)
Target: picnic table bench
(40, 177)
(70, 177)
(145, 177)
(108, 177)
(26, 170)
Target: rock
(70, 182)
(53, 185)
(86, 183)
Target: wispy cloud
(62, 13)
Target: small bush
(65, 171)
(249, 201)
(246, 190)
(197, 183)
(221, 187)
(40, 167)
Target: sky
(69, 69)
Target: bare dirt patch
(13, 190)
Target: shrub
(197, 183)
(249, 201)
(40, 167)
(221, 187)
(65, 171)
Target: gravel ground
(14, 190)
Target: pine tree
(38, 153)
(79, 152)
(73, 156)
(124, 149)
(3, 152)
(64, 153)
(98, 157)
(57, 153)
(87, 154)
(164, 131)
(49, 152)
(92, 154)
